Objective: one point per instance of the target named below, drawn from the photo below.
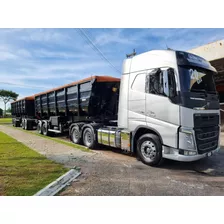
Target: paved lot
(112, 173)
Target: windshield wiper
(200, 91)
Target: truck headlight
(186, 139)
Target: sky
(34, 60)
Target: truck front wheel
(149, 150)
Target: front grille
(206, 120)
(207, 139)
(207, 135)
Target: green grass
(24, 171)
(71, 144)
(5, 120)
(82, 148)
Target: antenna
(132, 54)
(167, 46)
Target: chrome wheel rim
(75, 135)
(39, 128)
(44, 129)
(148, 150)
(88, 138)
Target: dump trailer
(164, 107)
(70, 107)
(23, 113)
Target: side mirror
(165, 83)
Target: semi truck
(165, 106)
(23, 113)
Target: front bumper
(173, 154)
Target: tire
(88, 138)
(13, 122)
(25, 124)
(76, 135)
(17, 124)
(39, 128)
(45, 129)
(149, 150)
(22, 124)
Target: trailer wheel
(17, 124)
(76, 135)
(149, 150)
(88, 138)
(22, 124)
(39, 127)
(25, 124)
(45, 129)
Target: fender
(146, 127)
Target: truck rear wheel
(45, 129)
(149, 150)
(88, 138)
(76, 135)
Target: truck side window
(156, 82)
(139, 83)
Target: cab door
(162, 114)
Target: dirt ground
(105, 172)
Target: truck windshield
(194, 79)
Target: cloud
(44, 75)
(46, 58)
(8, 52)
(43, 53)
(112, 36)
(4, 55)
(23, 85)
(186, 39)
(44, 35)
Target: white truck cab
(169, 105)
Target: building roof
(211, 51)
